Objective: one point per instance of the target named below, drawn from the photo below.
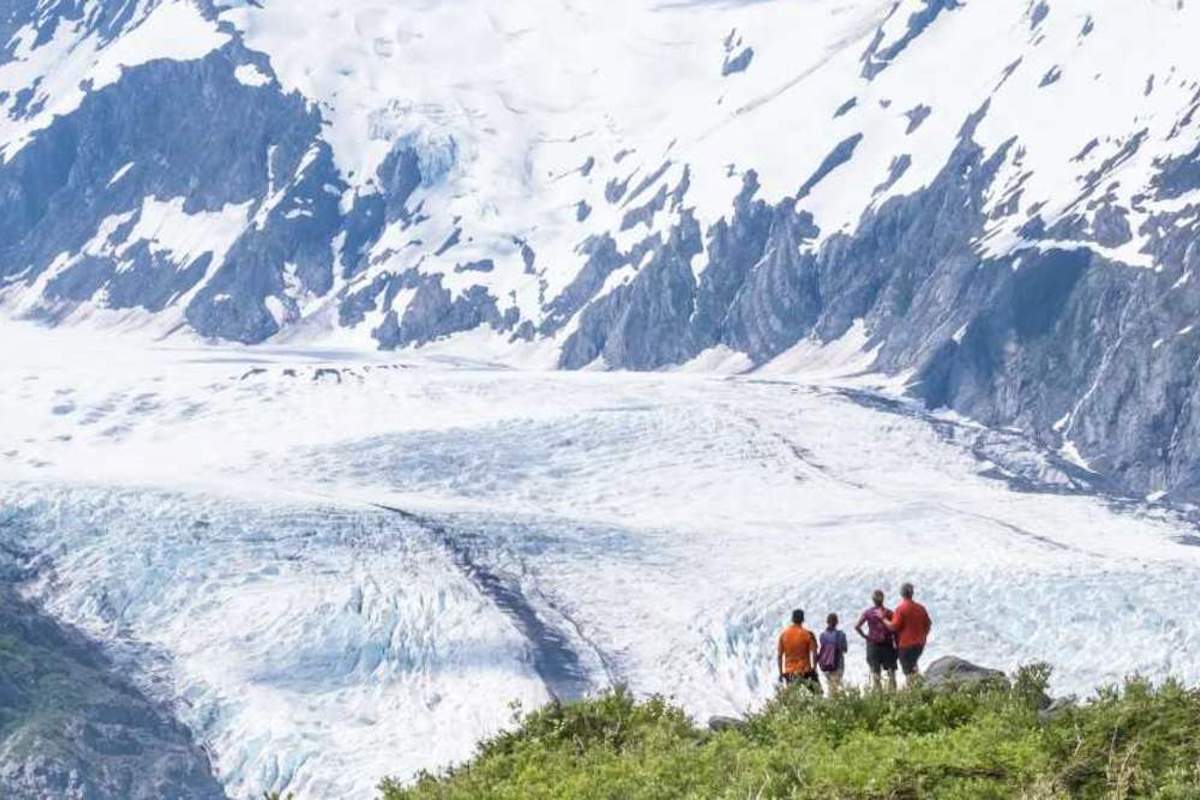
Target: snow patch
(120, 173)
(1071, 453)
(251, 75)
(814, 360)
(719, 360)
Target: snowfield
(337, 567)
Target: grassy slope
(1139, 741)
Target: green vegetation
(1138, 741)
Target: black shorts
(881, 656)
(808, 679)
(909, 656)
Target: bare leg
(833, 683)
(891, 680)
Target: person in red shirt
(911, 624)
(794, 654)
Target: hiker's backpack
(827, 659)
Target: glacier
(335, 568)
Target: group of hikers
(893, 637)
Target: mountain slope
(997, 201)
(71, 725)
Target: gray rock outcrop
(1056, 708)
(954, 672)
(719, 724)
(71, 726)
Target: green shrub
(969, 744)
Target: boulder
(951, 671)
(1056, 708)
(718, 724)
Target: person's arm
(858, 626)
(779, 656)
(893, 623)
(843, 644)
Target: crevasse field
(338, 568)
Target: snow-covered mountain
(912, 283)
(998, 200)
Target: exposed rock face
(72, 727)
(1051, 341)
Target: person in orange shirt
(911, 624)
(794, 655)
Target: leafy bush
(968, 744)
